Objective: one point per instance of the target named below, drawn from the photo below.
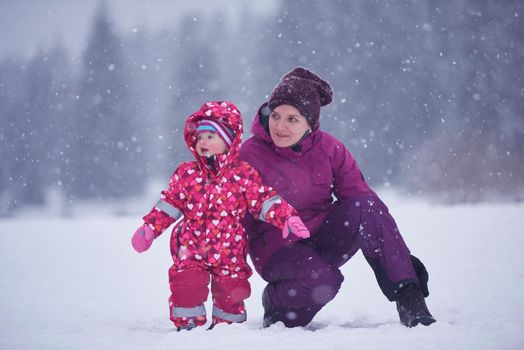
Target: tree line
(428, 97)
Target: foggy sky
(28, 24)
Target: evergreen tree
(37, 104)
(477, 151)
(106, 157)
(60, 106)
(14, 149)
(148, 61)
(196, 79)
(48, 107)
(240, 50)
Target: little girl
(211, 196)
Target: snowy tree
(106, 159)
(48, 84)
(196, 78)
(428, 96)
(149, 69)
(13, 134)
(239, 48)
(37, 104)
(477, 151)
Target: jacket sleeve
(348, 179)
(168, 209)
(263, 201)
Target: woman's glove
(295, 225)
(143, 238)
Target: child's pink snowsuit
(210, 239)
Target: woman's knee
(310, 288)
(321, 284)
(286, 262)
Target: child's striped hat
(214, 125)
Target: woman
(308, 168)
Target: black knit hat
(305, 91)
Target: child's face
(209, 144)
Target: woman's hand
(143, 238)
(295, 226)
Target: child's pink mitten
(143, 238)
(295, 225)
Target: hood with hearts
(225, 114)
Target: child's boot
(189, 323)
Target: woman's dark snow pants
(305, 276)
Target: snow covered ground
(76, 283)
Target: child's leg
(188, 293)
(228, 298)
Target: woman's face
(287, 126)
(209, 144)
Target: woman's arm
(348, 179)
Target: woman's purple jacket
(307, 179)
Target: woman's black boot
(412, 308)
